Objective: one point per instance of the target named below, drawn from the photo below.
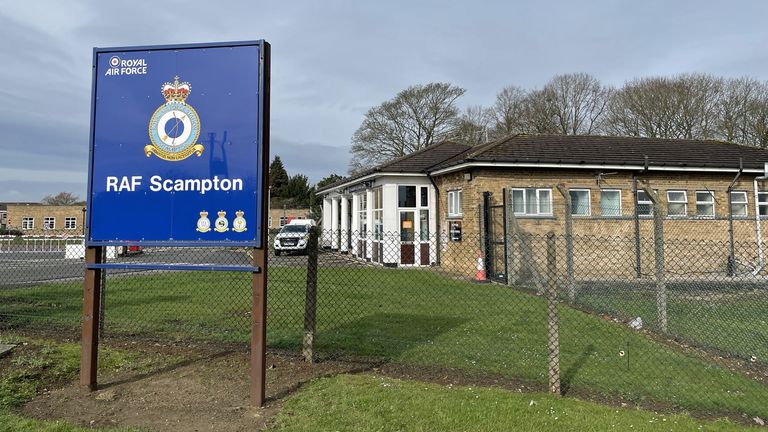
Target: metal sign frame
(94, 256)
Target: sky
(333, 60)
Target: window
(70, 223)
(532, 202)
(362, 215)
(49, 223)
(378, 214)
(406, 196)
(762, 203)
(454, 203)
(705, 204)
(644, 204)
(283, 221)
(739, 204)
(27, 223)
(424, 225)
(610, 202)
(677, 203)
(580, 205)
(3, 217)
(424, 196)
(269, 222)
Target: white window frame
(684, 203)
(70, 223)
(705, 203)
(27, 223)
(283, 221)
(455, 203)
(762, 206)
(49, 223)
(538, 201)
(589, 201)
(647, 202)
(602, 210)
(745, 203)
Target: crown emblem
(176, 91)
(203, 213)
(222, 213)
(239, 213)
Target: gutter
(590, 167)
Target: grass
(415, 317)
(736, 324)
(372, 403)
(41, 364)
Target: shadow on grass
(385, 335)
(566, 380)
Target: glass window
(532, 202)
(362, 215)
(424, 225)
(644, 204)
(677, 203)
(27, 223)
(610, 202)
(762, 203)
(283, 221)
(739, 204)
(454, 203)
(49, 223)
(378, 213)
(580, 205)
(406, 196)
(705, 204)
(70, 223)
(424, 196)
(406, 226)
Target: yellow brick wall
(603, 243)
(39, 212)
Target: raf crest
(175, 126)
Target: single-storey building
(418, 209)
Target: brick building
(39, 219)
(703, 188)
(281, 216)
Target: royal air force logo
(174, 127)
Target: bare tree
(507, 115)
(538, 113)
(685, 106)
(473, 126)
(61, 198)
(577, 103)
(416, 118)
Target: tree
(472, 127)
(328, 180)
(576, 102)
(61, 198)
(415, 118)
(507, 115)
(278, 177)
(297, 191)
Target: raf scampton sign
(177, 145)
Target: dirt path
(206, 393)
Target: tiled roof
(606, 150)
(416, 163)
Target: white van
(294, 236)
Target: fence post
(310, 299)
(553, 332)
(509, 229)
(658, 246)
(568, 242)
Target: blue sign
(178, 145)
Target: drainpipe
(732, 251)
(758, 231)
(438, 246)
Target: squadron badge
(222, 225)
(175, 126)
(203, 224)
(238, 225)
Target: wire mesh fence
(657, 308)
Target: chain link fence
(660, 309)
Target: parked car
(129, 250)
(293, 237)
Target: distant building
(39, 219)
(282, 216)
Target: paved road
(28, 268)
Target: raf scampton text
(159, 184)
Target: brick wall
(38, 212)
(693, 244)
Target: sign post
(159, 177)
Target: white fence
(16, 244)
